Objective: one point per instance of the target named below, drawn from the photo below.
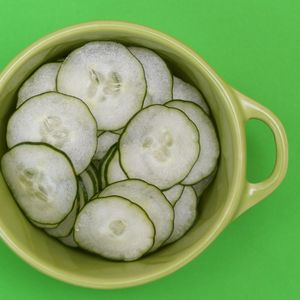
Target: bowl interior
(79, 267)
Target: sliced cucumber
(108, 78)
(66, 226)
(69, 240)
(185, 214)
(115, 228)
(97, 164)
(82, 192)
(174, 193)
(59, 120)
(104, 166)
(91, 169)
(40, 225)
(41, 81)
(158, 77)
(114, 171)
(120, 131)
(202, 185)
(184, 91)
(153, 146)
(42, 180)
(151, 200)
(89, 184)
(105, 141)
(209, 154)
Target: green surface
(255, 46)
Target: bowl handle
(255, 192)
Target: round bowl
(227, 197)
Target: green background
(255, 46)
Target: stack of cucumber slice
(109, 151)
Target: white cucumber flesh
(114, 171)
(108, 78)
(185, 211)
(115, 228)
(104, 143)
(202, 185)
(69, 240)
(174, 193)
(66, 226)
(158, 77)
(42, 181)
(151, 200)
(88, 184)
(61, 121)
(185, 91)
(153, 147)
(209, 153)
(41, 81)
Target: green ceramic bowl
(229, 196)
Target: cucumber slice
(185, 211)
(69, 240)
(41, 81)
(88, 183)
(104, 165)
(82, 192)
(42, 180)
(40, 225)
(91, 169)
(151, 200)
(202, 185)
(153, 146)
(97, 164)
(115, 228)
(59, 120)
(66, 226)
(120, 131)
(158, 77)
(174, 193)
(105, 75)
(105, 141)
(185, 91)
(114, 171)
(209, 154)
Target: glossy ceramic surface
(229, 196)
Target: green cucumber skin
(80, 182)
(103, 166)
(95, 173)
(107, 164)
(93, 179)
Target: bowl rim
(231, 104)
